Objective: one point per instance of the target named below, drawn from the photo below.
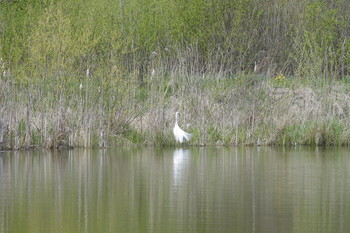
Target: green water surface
(176, 190)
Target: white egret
(178, 132)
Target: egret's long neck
(176, 118)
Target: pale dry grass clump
(241, 113)
(242, 110)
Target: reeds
(242, 110)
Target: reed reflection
(183, 190)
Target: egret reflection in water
(180, 161)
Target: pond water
(257, 189)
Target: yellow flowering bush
(281, 76)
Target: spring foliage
(61, 38)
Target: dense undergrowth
(62, 38)
(102, 73)
(245, 109)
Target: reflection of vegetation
(148, 59)
(196, 190)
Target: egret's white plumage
(179, 134)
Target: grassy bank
(242, 109)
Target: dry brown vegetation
(242, 110)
